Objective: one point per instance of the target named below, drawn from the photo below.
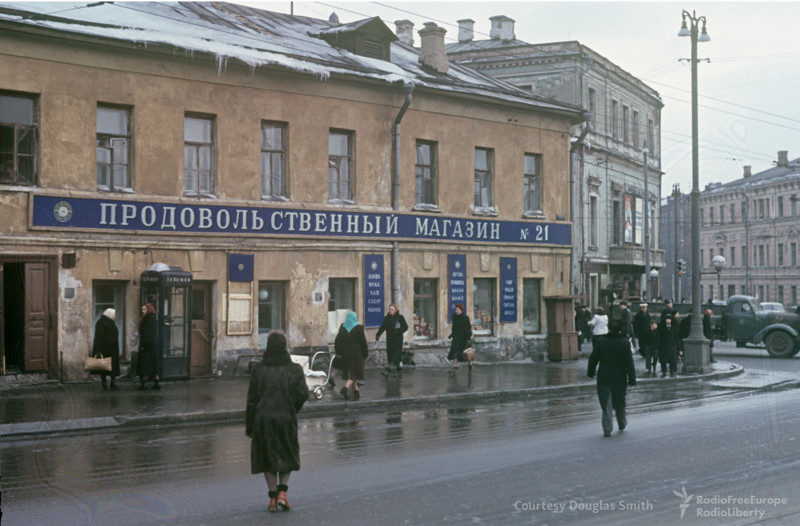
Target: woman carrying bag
(106, 345)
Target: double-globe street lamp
(696, 359)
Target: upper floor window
(532, 185)
(614, 119)
(425, 173)
(651, 143)
(635, 129)
(198, 155)
(483, 178)
(273, 159)
(733, 213)
(721, 215)
(592, 104)
(19, 126)
(113, 148)
(626, 137)
(780, 206)
(340, 166)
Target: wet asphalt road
(514, 463)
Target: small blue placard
(508, 290)
(373, 290)
(240, 267)
(457, 277)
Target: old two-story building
(247, 170)
(753, 223)
(616, 155)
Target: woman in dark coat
(668, 342)
(351, 345)
(106, 343)
(277, 392)
(614, 355)
(460, 334)
(394, 324)
(148, 363)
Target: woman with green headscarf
(351, 345)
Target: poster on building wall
(628, 234)
(650, 221)
(373, 290)
(638, 220)
(508, 290)
(457, 279)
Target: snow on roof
(256, 38)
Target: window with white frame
(198, 155)
(340, 166)
(113, 148)
(273, 159)
(19, 132)
(483, 178)
(270, 306)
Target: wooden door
(37, 316)
(201, 329)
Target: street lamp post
(646, 226)
(696, 358)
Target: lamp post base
(696, 357)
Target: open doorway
(13, 322)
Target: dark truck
(742, 320)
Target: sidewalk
(51, 408)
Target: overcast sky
(748, 92)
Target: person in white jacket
(599, 326)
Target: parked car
(746, 321)
(774, 307)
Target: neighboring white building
(608, 183)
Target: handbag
(98, 364)
(469, 354)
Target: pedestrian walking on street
(668, 343)
(148, 363)
(460, 335)
(394, 324)
(580, 323)
(641, 325)
(276, 393)
(627, 319)
(599, 326)
(351, 345)
(648, 347)
(616, 372)
(105, 344)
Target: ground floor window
(425, 309)
(531, 306)
(109, 295)
(484, 301)
(270, 306)
(341, 294)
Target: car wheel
(780, 345)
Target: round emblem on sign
(62, 211)
(374, 265)
(458, 264)
(240, 267)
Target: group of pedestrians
(106, 345)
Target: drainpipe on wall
(408, 90)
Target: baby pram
(314, 370)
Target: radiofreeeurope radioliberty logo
(728, 506)
(687, 499)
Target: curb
(314, 409)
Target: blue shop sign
(114, 215)
(373, 290)
(457, 279)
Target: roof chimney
(783, 158)
(747, 171)
(465, 32)
(432, 52)
(502, 28)
(405, 31)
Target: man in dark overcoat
(614, 356)
(669, 341)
